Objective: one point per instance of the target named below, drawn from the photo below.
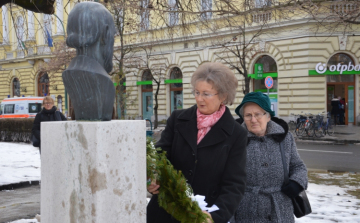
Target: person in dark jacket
(266, 197)
(335, 109)
(207, 145)
(48, 113)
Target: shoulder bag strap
(286, 173)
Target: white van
(20, 107)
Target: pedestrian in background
(266, 197)
(335, 109)
(207, 145)
(342, 111)
(48, 113)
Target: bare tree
(333, 15)
(155, 64)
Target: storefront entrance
(346, 92)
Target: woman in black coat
(48, 113)
(207, 145)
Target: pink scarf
(205, 122)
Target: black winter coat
(44, 116)
(215, 168)
(335, 103)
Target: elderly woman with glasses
(266, 197)
(207, 145)
(48, 113)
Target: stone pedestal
(93, 172)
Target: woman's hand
(153, 188)
(209, 220)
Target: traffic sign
(269, 82)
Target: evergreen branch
(174, 192)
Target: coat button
(265, 164)
(193, 154)
(190, 172)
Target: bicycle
(300, 125)
(292, 123)
(319, 125)
(325, 127)
(310, 125)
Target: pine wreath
(174, 193)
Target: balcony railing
(261, 17)
(343, 8)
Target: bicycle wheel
(330, 129)
(319, 132)
(292, 125)
(300, 129)
(310, 129)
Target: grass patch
(343, 180)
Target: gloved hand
(292, 189)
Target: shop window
(147, 94)
(59, 102)
(121, 98)
(16, 87)
(176, 89)
(43, 84)
(269, 66)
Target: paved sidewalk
(343, 134)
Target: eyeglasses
(258, 116)
(49, 103)
(203, 95)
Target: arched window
(269, 66)
(176, 89)
(43, 84)
(343, 59)
(16, 87)
(147, 94)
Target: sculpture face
(91, 31)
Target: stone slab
(93, 172)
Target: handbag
(35, 141)
(301, 202)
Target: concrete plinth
(93, 172)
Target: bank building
(309, 64)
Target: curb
(342, 141)
(19, 185)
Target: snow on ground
(18, 162)
(25, 221)
(331, 204)
(21, 162)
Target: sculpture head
(91, 31)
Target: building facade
(309, 67)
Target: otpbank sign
(344, 69)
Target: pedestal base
(93, 172)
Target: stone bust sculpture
(91, 31)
